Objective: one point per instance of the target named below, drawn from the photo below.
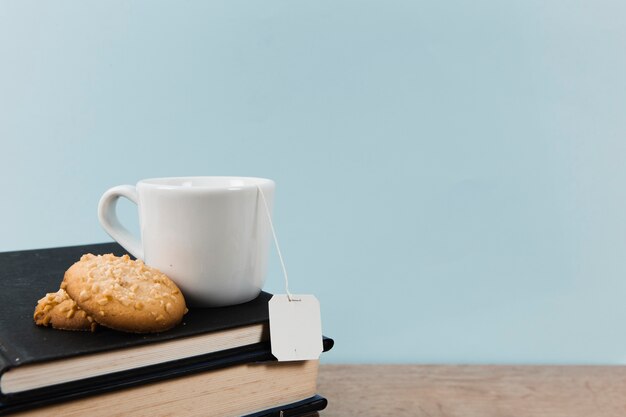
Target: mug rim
(166, 183)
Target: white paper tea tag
(295, 321)
(295, 327)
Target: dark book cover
(26, 276)
(304, 407)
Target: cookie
(58, 310)
(124, 294)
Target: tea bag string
(280, 256)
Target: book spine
(9, 359)
(5, 365)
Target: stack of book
(218, 362)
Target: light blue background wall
(451, 175)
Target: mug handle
(111, 224)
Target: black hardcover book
(299, 408)
(42, 365)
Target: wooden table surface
(468, 391)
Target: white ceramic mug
(210, 235)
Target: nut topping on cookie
(124, 294)
(60, 311)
